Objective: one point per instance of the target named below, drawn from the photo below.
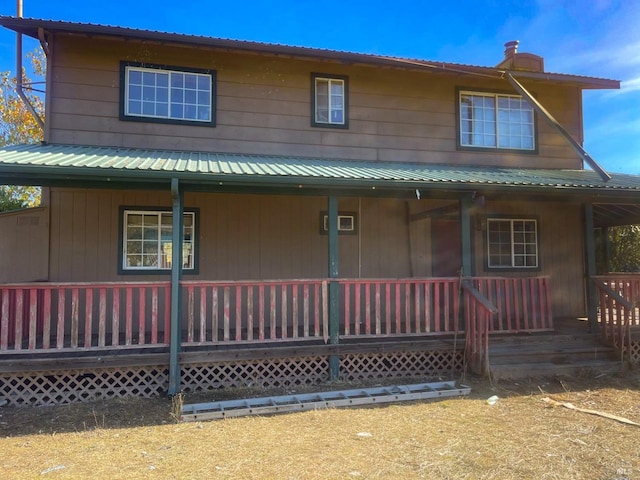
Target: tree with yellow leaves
(17, 126)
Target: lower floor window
(512, 243)
(147, 240)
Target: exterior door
(446, 247)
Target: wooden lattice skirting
(76, 385)
(263, 373)
(428, 363)
(68, 386)
(634, 353)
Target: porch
(62, 342)
(71, 341)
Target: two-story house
(221, 212)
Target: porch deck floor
(571, 325)
(563, 326)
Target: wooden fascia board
(70, 176)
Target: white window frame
(196, 99)
(521, 246)
(507, 119)
(334, 102)
(135, 261)
(346, 223)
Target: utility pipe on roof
(537, 106)
(19, 84)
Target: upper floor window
(512, 243)
(496, 121)
(165, 94)
(329, 100)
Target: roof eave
(30, 26)
(89, 177)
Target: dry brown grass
(460, 438)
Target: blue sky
(587, 37)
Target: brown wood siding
(241, 236)
(278, 237)
(561, 249)
(24, 245)
(263, 107)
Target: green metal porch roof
(47, 163)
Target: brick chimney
(511, 48)
(520, 61)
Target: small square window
(347, 223)
(329, 101)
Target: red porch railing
(254, 311)
(76, 316)
(524, 304)
(479, 315)
(618, 308)
(400, 307)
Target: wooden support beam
(176, 275)
(590, 267)
(334, 291)
(537, 106)
(466, 202)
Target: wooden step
(548, 355)
(546, 369)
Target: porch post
(465, 232)
(607, 249)
(334, 314)
(176, 275)
(590, 267)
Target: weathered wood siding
(24, 245)
(561, 249)
(263, 107)
(249, 237)
(241, 236)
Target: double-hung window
(147, 240)
(167, 94)
(512, 243)
(496, 121)
(329, 101)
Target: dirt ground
(520, 436)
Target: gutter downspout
(19, 84)
(176, 275)
(555, 124)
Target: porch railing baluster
(272, 311)
(214, 313)
(102, 317)
(33, 317)
(115, 317)
(142, 300)
(46, 321)
(18, 314)
(132, 314)
(305, 309)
